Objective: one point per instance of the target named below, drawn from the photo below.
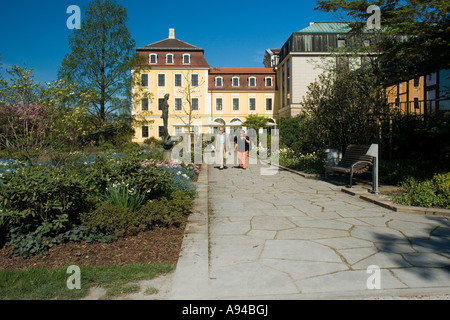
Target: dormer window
(219, 82)
(169, 58)
(235, 81)
(252, 82)
(268, 81)
(153, 58)
(186, 58)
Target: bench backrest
(355, 153)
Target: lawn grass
(45, 284)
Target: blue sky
(233, 33)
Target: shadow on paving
(429, 252)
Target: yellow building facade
(416, 96)
(197, 94)
(237, 93)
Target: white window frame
(232, 104)
(142, 131)
(221, 104)
(159, 104)
(175, 104)
(142, 103)
(150, 58)
(192, 104)
(167, 56)
(221, 81)
(192, 82)
(232, 81)
(271, 81)
(159, 131)
(157, 80)
(249, 104)
(250, 81)
(142, 80)
(271, 104)
(189, 58)
(178, 131)
(175, 79)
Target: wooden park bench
(354, 160)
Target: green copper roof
(326, 27)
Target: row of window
(219, 104)
(153, 58)
(145, 131)
(161, 80)
(177, 106)
(235, 81)
(251, 104)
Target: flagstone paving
(282, 236)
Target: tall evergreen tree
(102, 55)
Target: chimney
(171, 33)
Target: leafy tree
(337, 114)
(102, 55)
(294, 133)
(415, 33)
(35, 119)
(255, 122)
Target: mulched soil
(155, 246)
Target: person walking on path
(222, 147)
(242, 145)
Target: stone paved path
(283, 236)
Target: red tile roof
(243, 74)
(169, 44)
(241, 71)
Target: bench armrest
(368, 162)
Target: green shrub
(46, 198)
(164, 212)
(308, 163)
(429, 193)
(23, 241)
(111, 219)
(89, 197)
(395, 172)
(114, 219)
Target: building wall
(227, 113)
(182, 93)
(295, 74)
(260, 93)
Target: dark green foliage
(90, 197)
(420, 138)
(110, 219)
(429, 193)
(114, 219)
(165, 212)
(294, 134)
(44, 196)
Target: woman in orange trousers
(242, 145)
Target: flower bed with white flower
(90, 197)
(309, 163)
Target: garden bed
(154, 246)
